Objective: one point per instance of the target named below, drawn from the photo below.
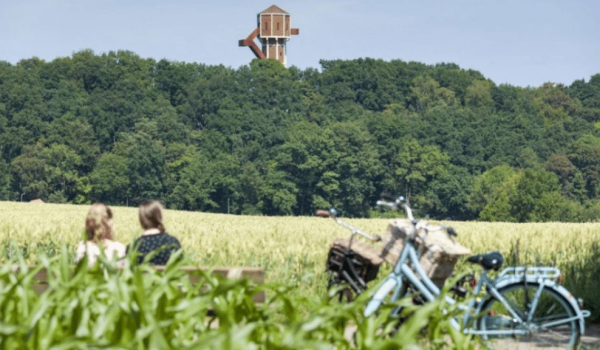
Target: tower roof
(273, 9)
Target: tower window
(277, 25)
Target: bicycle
(523, 306)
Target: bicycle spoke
(553, 323)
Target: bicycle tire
(551, 306)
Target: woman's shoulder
(139, 239)
(84, 248)
(87, 245)
(170, 238)
(114, 245)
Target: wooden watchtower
(273, 31)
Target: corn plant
(138, 307)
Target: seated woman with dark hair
(154, 236)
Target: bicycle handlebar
(393, 203)
(332, 213)
(400, 201)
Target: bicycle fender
(505, 282)
(379, 295)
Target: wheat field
(293, 249)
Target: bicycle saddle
(491, 260)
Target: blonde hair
(97, 223)
(151, 215)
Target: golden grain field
(294, 249)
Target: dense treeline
(264, 139)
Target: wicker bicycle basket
(439, 253)
(365, 257)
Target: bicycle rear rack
(531, 272)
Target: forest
(268, 140)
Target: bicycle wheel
(551, 307)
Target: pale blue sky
(519, 42)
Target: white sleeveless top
(111, 248)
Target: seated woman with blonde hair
(154, 236)
(98, 235)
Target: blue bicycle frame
(541, 277)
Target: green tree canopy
(265, 139)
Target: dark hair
(151, 215)
(97, 226)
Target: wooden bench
(255, 274)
